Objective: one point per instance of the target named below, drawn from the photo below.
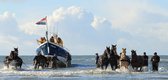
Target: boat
(50, 49)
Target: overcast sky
(86, 26)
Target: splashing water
(83, 68)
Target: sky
(86, 26)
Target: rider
(155, 62)
(60, 42)
(145, 59)
(42, 40)
(52, 39)
(97, 58)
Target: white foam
(123, 69)
(162, 69)
(62, 72)
(145, 69)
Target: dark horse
(114, 58)
(40, 60)
(109, 57)
(136, 61)
(13, 59)
(103, 60)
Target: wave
(164, 60)
(82, 66)
(77, 70)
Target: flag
(42, 21)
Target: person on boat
(97, 59)
(155, 62)
(42, 40)
(60, 42)
(145, 59)
(54, 61)
(55, 38)
(52, 39)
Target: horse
(54, 62)
(40, 60)
(124, 60)
(17, 59)
(13, 59)
(7, 61)
(108, 57)
(114, 57)
(103, 60)
(136, 61)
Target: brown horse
(136, 61)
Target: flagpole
(47, 36)
(57, 28)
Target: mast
(47, 37)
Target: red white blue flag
(42, 21)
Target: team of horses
(45, 62)
(14, 61)
(111, 57)
(50, 61)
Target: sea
(83, 68)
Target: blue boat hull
(50, 49)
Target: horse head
(114, 50)
(114, 47)
(123, 53)
(133, 52)
(107, 50)
(16, 51)
(124, 50)
(12, 54)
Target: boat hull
(51, 49)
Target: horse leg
(36, 66)
(106, 65)
(20, 66)
(15, 66)
(7, 65)
(116, 65)
(111, 66)
(102, 67)
(136, 68)
(42, 66)
(132, 67)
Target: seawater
(83, 68)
